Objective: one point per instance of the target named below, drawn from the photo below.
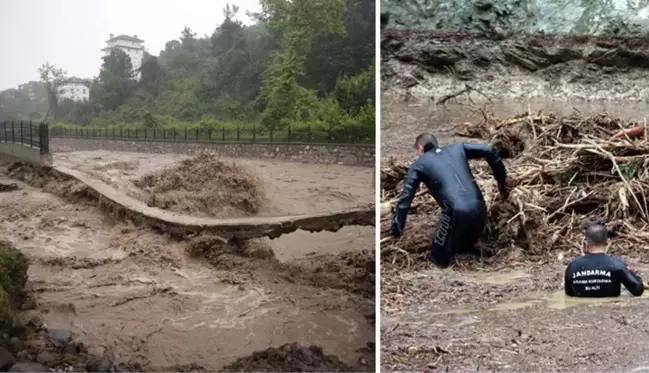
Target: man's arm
(567, 282)
(488, 153)
(403, 206)
(631, 281)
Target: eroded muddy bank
(433, 65)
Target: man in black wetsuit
(446, 173)
(597, 274)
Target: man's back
(600, 275)
(448, 176)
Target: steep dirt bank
(153, 302)
(572, 17)
(435, 65)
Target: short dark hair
(427, 141)
(596, 234)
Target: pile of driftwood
(563, 173)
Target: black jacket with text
(600, 275)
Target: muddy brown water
(135, 293)
(492, 317)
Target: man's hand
(645, 284)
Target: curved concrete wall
(244, 228)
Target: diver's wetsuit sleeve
(631, 281)
(487, 152)
(567, 282)
(403, 206)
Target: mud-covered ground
(507, 313)
(506, 319)
(139, 296)
(429, 65)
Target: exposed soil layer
(204, 185)
(439, 65)
(154, 302)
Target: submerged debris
(10, 187)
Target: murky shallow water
(402, 121)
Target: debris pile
(563, 172)
(205, 185)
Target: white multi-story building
(74, 89)
(130, 45)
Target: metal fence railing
(26, 134)
(232, 134)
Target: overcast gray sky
(70, 33)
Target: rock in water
(29, 367)
(6, 359)
(59, 338)
(101, 365)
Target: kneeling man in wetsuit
(597, 274)
(447, 175)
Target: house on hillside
(130, 45)
(74, 89)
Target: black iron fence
(304, 134)
(26, 134)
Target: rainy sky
(71, 33)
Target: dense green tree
(300, 21)
(115, 82)
(150, 75)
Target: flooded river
(140, 295)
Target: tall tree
(52, 78)
(228, 33)
(150, 74)
(188, 39)
(118, 63)
(115, 81)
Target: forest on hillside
(304, 63)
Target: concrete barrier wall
(123, 205)
(25, 154)
(358, 155)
